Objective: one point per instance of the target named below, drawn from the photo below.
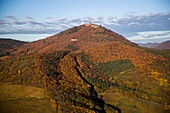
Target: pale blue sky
(80, 8)
(52, 16)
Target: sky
(140, 21)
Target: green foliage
(132, 45)
(115, 67)
(85, 59)
(99, 83)
(4, 54)
(51, 62)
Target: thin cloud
(33, 22)
(11, 17)
(140, 23)
(16, 22)
(150, 36)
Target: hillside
(90, 69)
(149, 45)
(164, 45)
(161, 46)
(20, 97)
(8, 44)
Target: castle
(91, 25)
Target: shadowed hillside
(8, 44)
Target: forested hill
(86, 69)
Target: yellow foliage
(53, 104)
(144, 96)
(59, 109)
(19, 71)
(163, 82)
(156, 75)
(167, 107)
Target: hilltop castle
(91, 25)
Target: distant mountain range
(84, 69)
(163, 45)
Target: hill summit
(76, 38)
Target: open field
(23, 99)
